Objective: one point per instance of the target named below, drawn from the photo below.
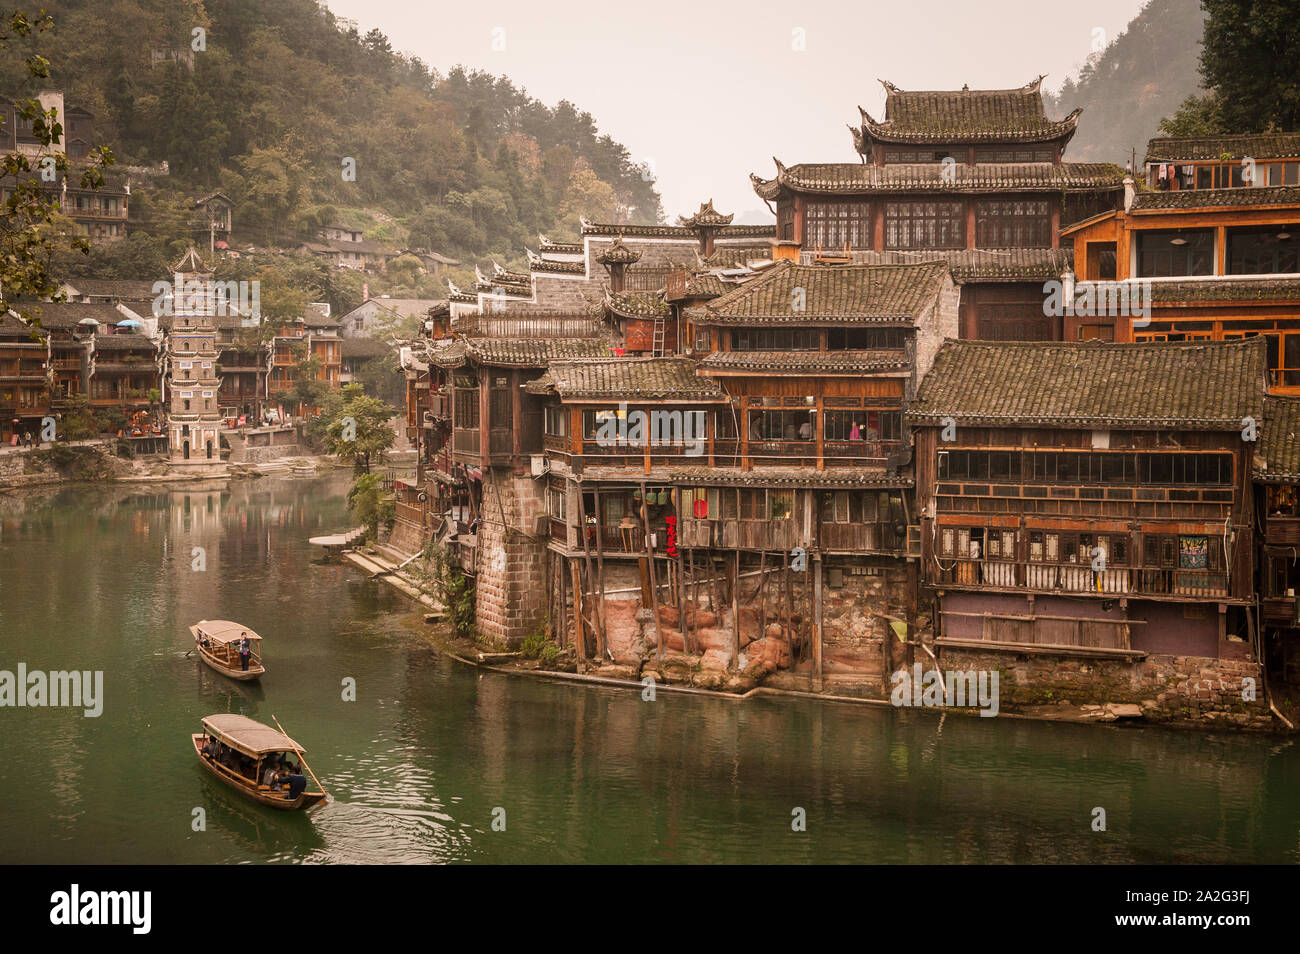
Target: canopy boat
(239, 750)
(218, 644)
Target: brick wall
(511, 588)
(1179, 689)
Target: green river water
(95, 578)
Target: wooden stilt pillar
(735, 612)
(579, 624)
(654, 583)
(591, 576)
(600, 586)
(817, 617)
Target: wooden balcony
(411, 513)
(744, 534)
(1082, 579)
(1282, 531)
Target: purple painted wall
(1168, 630)
(1160, 627)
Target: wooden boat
(247, 746)
(218, 644)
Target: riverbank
(1197, 706)
(95, 462)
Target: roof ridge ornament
(889, 87)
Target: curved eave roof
(973, 134)
(851, 178)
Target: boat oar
(301, 758)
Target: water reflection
(102, 578)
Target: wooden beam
(650, 560)
(600, 582)
(580, 639)
(591, 576)
(735, 612)
(817, 616)
(681, 578)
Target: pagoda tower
(195, 419)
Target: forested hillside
(1140, 78)
(465, 164)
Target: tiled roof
(737, 256)
(616, 253)
(967, 115)
(675, 231)
(706, 217)
(983, 264)
(123, 343)
(1226, 289)
(839, 293)
(515, 352)
(1215, 198)
(1280, 440)
(805, 362)
(66, 314)
(364, 348)
(831, 477)
(402, 307)
(859, 178)
(559, 248)
(507, 276)
(1267, 146)
(1188, 385)
(638, 305)
(558, 268)
(115, 288)
(627, 379)
(15, 329)
(706, 285)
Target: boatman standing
(244, 651)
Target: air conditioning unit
(540, 465)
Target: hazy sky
(708, 92)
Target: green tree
(366, 498)
(308, 389)
(1251, 60)
(1197, 116)
(29, 241)
(359, 430)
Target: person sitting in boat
(213, 748)
(270, 778)
(245, 652)
(296, 782)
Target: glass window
(832, 225)
(557, 421)
(1175, 252)
(1020, 223)
(1257, 251)
(923, 224)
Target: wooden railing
(411, 513)
(1081, 578)
(1046, 631)
(540, 326)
